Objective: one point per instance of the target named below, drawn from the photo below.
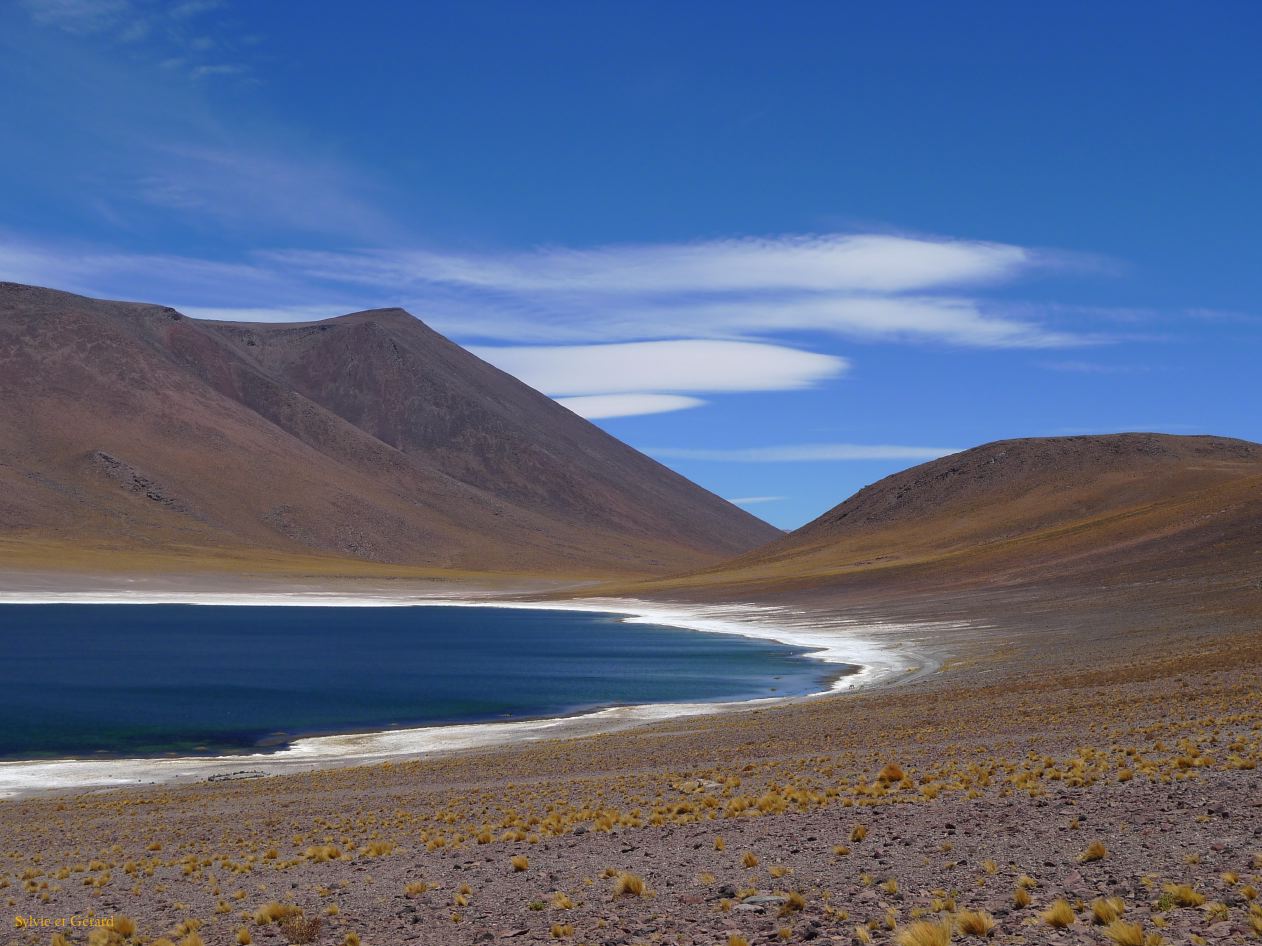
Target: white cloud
(597, 406)
(680, 365)
(816, 263)
(854, 285)
(804, 452)
(755, 500)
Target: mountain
(1151, 513)
(131, 430)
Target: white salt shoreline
(832, 641)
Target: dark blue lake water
(153, 679)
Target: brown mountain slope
(132, 429)
(1078, 513)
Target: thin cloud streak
(811, 263)
(797, 453)
(668, 366)
(600, 406)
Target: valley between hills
(1067, 754)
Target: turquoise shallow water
(85, 680)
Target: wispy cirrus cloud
(755, 500)
(797, 453)
(651, 325)
(171, 32)
(854, 285)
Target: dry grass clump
(975, 923)
(892, 772)
(1183, 895)
(243, 937)
(321, 853)
(923, 933)
(520, 862)
(858, 833)
(1095, 851)
(416, 888)
(736, 939)
(1021, 898)
(627, 884)
(749, 860)
(1105, 910)
(1059, 915)
(1127, 934)
(300, 929)
(561, 901)
(274, 912)
(562, 930)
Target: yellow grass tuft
(925, 933)
(892, 772)
(520, 862)
(561, 901)
(1095, 851)
(1125, 934)
(352, 939)
(1059, 915)
(627, 884)
(243, 937)
(274, 912)
(975, 922)
(416, 888)
(1106, 909)
(858, 833)
(1183, 895)
(736, 939)
(749, 860)
(1021, 898)
(719, 844)
(562, 930)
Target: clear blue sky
(786, 248)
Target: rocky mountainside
(131, 429)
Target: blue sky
(785, 248)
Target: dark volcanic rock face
(367, 436)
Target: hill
(1152, 513)
(131, 435)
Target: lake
(142, 680)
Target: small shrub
(749, 860)
(300, 929)
(520, 863)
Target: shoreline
(831, 640)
